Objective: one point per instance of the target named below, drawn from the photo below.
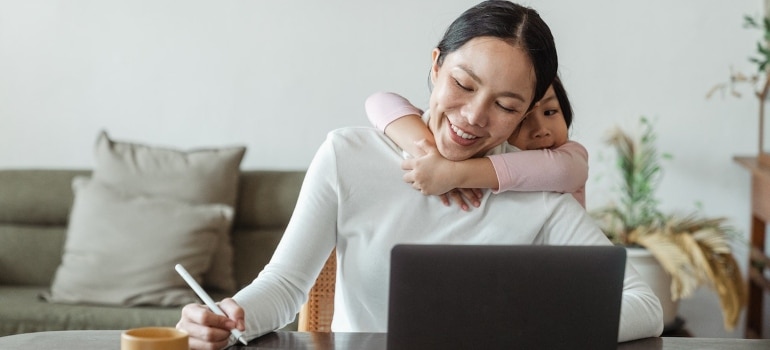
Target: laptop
(504, 297)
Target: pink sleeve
(382, 108)
(564, 169)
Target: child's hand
(432, 174)
(462, 197)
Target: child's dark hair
(561, 96)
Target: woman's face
(543, 127)
(480, 94)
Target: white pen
(207, 299)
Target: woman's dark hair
(561, 96)
(520, 26)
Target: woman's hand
(208, 330)
(432, 174)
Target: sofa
(35, 206)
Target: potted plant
(691, 250)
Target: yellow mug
(154, 338)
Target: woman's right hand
(208, 330)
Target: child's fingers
(457, 198)
(444, 199)
(425, 146)
(408, 178)
(469, 195)
(407, 164)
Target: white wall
(277, 75)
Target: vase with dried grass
(693, 250)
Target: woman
(494, 61)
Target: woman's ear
(435, 66)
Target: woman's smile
(460, 136)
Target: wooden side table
(758, 260)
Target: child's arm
(433, 174)
(399, 119)
(563, 169)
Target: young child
(548, 161)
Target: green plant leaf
(749, 22)
(761, 49)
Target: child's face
(543, 127)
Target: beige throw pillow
(121, 248)
(197, 176)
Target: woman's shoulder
(360, 139)
(359, 134)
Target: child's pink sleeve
(564, 169)
(382, 108)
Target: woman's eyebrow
(475, 77)
(513, 95)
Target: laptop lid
(505, 297)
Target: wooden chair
(316, 315)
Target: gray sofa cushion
(120, 247)
(34, 206)
(199, 176)
(29, 254)
(23, 311)
(36, 197)
(266, 199)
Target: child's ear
(435, 66)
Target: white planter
(658, 280)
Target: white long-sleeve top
(353, 197)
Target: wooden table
(85, 340)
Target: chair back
(316, 315)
